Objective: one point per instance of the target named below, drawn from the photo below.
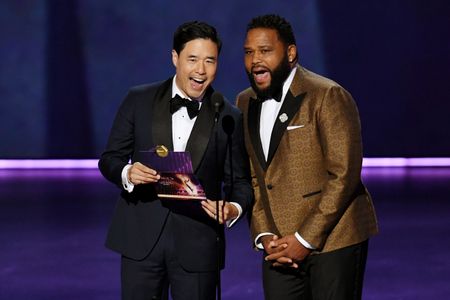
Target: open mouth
(196, 83)
(260, 74)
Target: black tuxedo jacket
(144, 121)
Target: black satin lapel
(201, 133)
(254, 112)
(162, 118)
(290, 107)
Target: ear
(292, 53)
(174, 58)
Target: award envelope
(177, 178)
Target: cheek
(185, 71)
(248, 66)
(212, 70)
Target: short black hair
(194, 30)
(280, 24)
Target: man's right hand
(268, 246)
(271, 247)
(140, 174)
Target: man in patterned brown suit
(312, 214)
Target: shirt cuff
(232, 221)
(257, 243)
(127, 185)
(303, 242)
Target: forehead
(200, 47)
(259, 37)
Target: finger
(282, 240)
(211, 212)
(147, 174)
(275, 241)
(208, 212)
(276, 245)
(137, 178)
(284, 260)
(215, 203)
(212, 206)
(278, 265)
(207, 205)
(144, 168)
(150, 175)
(276, 255)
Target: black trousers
(335, 275)
(152, 277)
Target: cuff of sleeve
(303, 242)
(127, 185)
(257, 243)
(232, 221)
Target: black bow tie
(276, 97)
(192, 106)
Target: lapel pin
(283, 117)
(162, 151)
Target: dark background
(65, 66)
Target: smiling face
(268, 61)
(196, 67)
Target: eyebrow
(196, 56)
(259, 46)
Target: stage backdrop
(65, 66)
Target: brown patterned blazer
(311, 182)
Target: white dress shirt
(269, 113)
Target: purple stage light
(407, 162)
(48, 163)
(92, 163)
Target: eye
(210, 61)
(248, 52)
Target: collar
(287, 83)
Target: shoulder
(318, 88)
(149, 88)
(315, 81)
(243, 98)
(146, 93)
(246, 94)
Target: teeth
(198, 80)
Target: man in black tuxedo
(170, 243)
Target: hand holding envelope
(141, 174)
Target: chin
(195, 95)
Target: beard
(277, 78)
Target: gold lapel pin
(162, 151)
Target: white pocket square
(295, 127)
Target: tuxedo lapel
(201, 132)
(162, 118)
(288, 110)
(254, 112)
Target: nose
(256, 58)
(200, 67)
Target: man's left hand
(227, 211)
(290, 256)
